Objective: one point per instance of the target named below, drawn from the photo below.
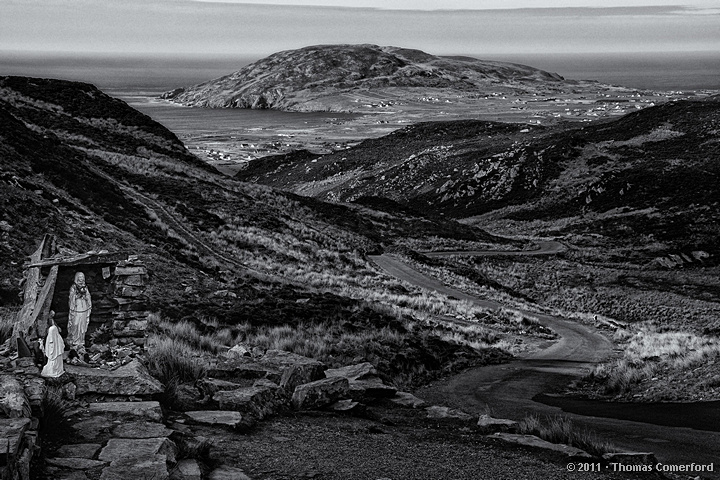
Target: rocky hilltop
(316, 78)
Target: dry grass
(173, 361)
(561, 430)
(649, 353)
(8, 316)
(176, 350)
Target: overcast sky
(260, 27)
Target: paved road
(545, 247)
(507, 390)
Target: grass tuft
(559, 429)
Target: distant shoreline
(662, 71)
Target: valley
(515, 246)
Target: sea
(139, 80)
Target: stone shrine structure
(116, 282)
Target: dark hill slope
(98, 174)
(225, 255)
(316, 77)
(660, 162)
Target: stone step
(130, 379)
(149, 409)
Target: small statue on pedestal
(53, 349)
(80, 307)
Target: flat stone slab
(447, 413)
(150, 410)
(75, 463)
(141, 429)
(141, 467)
(408, 400)
(353, 372)
(12, 431)
(536, 442)
(118, 448)
(69, 475)
(130, 379)
(93, 427)
(79, 450)
(631, 458)
(228, 473)
(487, 424)
(216, 417)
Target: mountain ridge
(649, 159)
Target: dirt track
(508, 390)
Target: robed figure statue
(53, 350)
(79, 317)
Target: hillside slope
(317, 77)
(653, 172)
(100, 175)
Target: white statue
(79, 317)
(53, 350)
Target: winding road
(509, 390)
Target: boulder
(257, 401)
(130, 379)
(187, 469)
(308, 368)
(447, 413)
(217, 417)
(565, 451)
(149, 410)
(209, 386)
(487, 424)
(137, 467)
(371, 387)
(320, 393)
(364, 381)
(13, 401)
(238, 351)
(118, 448)
(188, 397)
(408, 400)
(79, 450)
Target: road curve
(509, 390)
(545, 247)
